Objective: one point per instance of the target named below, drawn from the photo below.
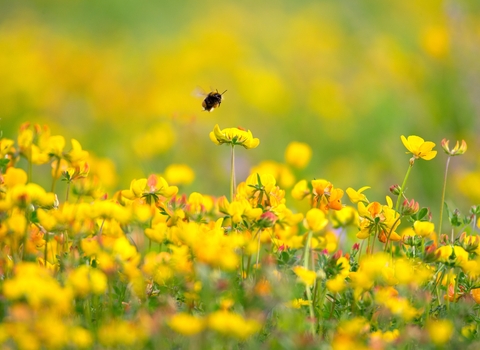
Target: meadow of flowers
(317, 208)
(152, 267)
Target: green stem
(402, 189)
(390, 233)
(232, 174)
(306, 256)
(443, 196)
(68, 191)
(258, 252)
(45, 256)
(55, 175)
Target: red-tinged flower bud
(356, 246)
(410, 207)
(395, 189)
(444, 239)
(337, 255)
(431, 253)
(457, 150)
(267, 219)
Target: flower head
(298, 154)
(233, 136)
(457, 150)
(419, 147)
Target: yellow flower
(344, 217)
(85, 280)
(337, 284)
(452, 254)
(15, 176)
(419, 148)
(150, 189)
(326, 196)
(77, 154)
(232, 324)
(6, 147)
(306, 276)
(357, 196)
(56, 145)
(234, 136)
(300, 190)
(179, 174)
(297, 303)
(423, 228)
(298, 154)
(315, 220)
(281, 172)
(186, 324)
(440, 331)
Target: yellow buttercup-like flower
(298, 154)
(419, 147)
(234, 136)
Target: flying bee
(213, 100)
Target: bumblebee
(213, 100)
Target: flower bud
(431, 253)
(444, 239)
(457, 150)
(267, 219)
(469, 243)
(395, 189)
(410, 208)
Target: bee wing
(199, 92)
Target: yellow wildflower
(306, 276)
(232, 324)
(234, 136)
(419, 148)
(186, 324)
(315, 220)
(440, 331)
(423, 228)
(179, 174)
(298, 154)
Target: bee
(213, 100)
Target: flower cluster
(82, 270)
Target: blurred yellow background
(346, 77)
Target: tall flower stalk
(232, 174)
(456, 151)
(420, 149)
(233, 137)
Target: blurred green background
(346, 77)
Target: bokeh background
(347, 77)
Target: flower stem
(442, 203)
(306, 257)
(57, 167)
(68, 191)
(402, 189)
(232, 174)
